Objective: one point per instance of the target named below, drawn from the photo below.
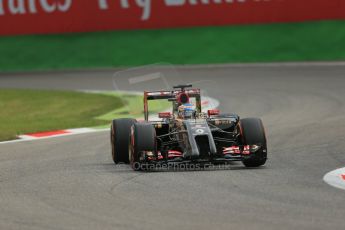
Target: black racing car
(187, 135)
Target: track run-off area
(70, 182)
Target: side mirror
(164, 115)
(213, 112)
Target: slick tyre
(253, 133)
(119, 136)
(142, 139)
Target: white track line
(25, 138)
(266, 64)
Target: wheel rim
(113, 142)
(130, 153)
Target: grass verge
(28, 111)
(133, 107)
(311, 41)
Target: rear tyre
(253, 133)
(119, 136)
(142, 139)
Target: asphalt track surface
(71, 183)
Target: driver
(186, 111)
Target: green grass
(312, 41)
(29, 111)
(26, 111)
(133, 107)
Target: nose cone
(200, 139)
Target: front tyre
(142, 139)
(119, 136)
(253, 133)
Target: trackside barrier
(63, 16)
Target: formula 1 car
(187, 135)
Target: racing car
(187, 135)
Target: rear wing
(173, 95)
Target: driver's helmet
(186, 111)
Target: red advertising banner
(62, 16)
